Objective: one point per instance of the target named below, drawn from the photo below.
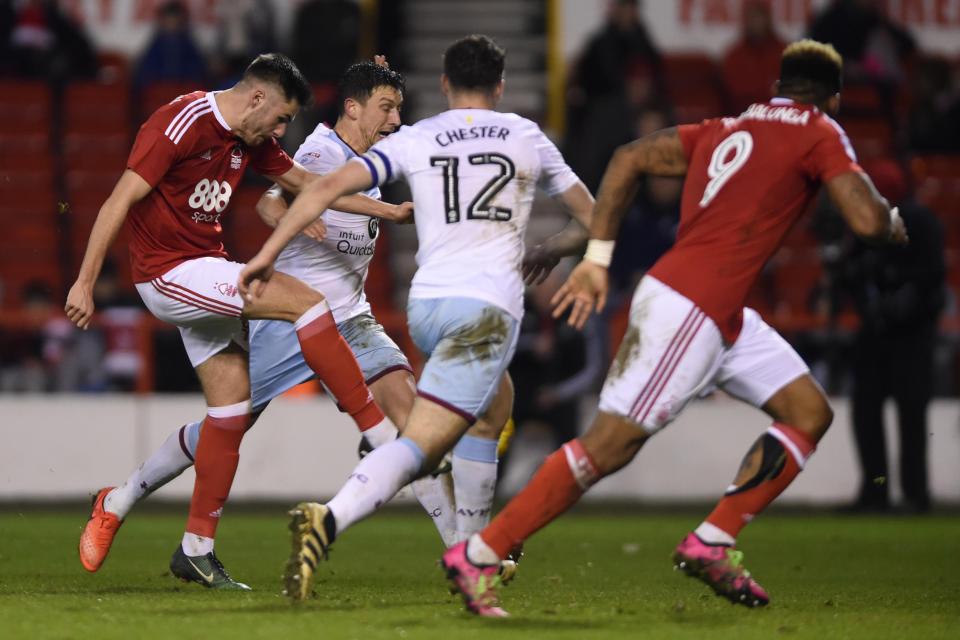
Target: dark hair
(811, 69)
(474, 63)
(280, 70)
(360, 79)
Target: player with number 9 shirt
(748, 179)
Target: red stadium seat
(96, 108)
(872, 137)
(24, 107)
(158, 94)
(89, 152)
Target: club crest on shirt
(373, 228)
(236, 158)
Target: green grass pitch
(591, 575)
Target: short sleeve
(555, 175)
(387, 160)
(689, 136)
(320, 158)
(152, 155)
(832, 155)
(269, 159)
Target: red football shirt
(748, 180)
(187, 153)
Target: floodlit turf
(589, 576)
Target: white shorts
(672, 352)
(200, 298)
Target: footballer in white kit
(337, 266)
(473, 172)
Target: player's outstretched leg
(563, 478)
(111, 505)
(709, 553)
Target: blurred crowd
(899, 106)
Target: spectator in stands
(618, 73)
(42, 42)
(873, 47)
(23, 366)
(247, 28)
(934, 121)
(651, 223)
(325, 37)
(172, 55)
(752, 64)
(898, 294)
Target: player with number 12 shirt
(748, 179)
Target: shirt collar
(216, 110)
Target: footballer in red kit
(747, 180)
(186, 162)
(193, 161)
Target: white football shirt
(473, 173)
(336, 267)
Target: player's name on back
(446, 138)
(784, 114)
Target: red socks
(783, 451)
(217, 456)
(330, 357)
(565, 475)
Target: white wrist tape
(600, 252)
(894, 216)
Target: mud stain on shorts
(477, 341)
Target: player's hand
(537, 264)
(254, 277)
(898, 230)
(316, 230)
(79, 307)
(381, 61)
(584, 291)
(403, 213)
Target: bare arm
(316, 197)
(130, 189)
(297, 178)
(570, 240)
(864, 209)
(660, 153)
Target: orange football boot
(98, 535)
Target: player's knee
(612, 442)
(813, 418)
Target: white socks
(165, 464)
(381, 433)
(194, 545)
(474, 482)
(479, 552)
(435, 495)
(378, 477)
(712, 534)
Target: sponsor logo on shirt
(346, 245)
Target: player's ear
(498, 91)
(444, 84)
(352, 108)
